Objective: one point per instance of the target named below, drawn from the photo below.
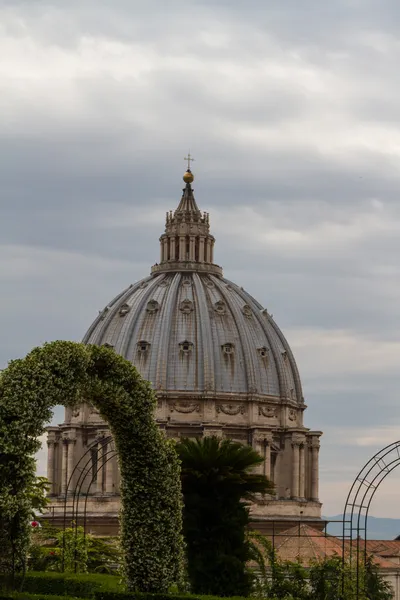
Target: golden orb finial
(188, 176)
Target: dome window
(143, 347)
(220, 307)
(263, 352)
(246, 310)
(187, 281)
(186, 347)
(228, 348)
(285, 356)
(186, 307)
(125, 308)
(152, 306)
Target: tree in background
(72, 551)
(151, 513)
(328, 579)
(217, 479)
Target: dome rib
(279, 363)
(166, 315)
(201, 308)
(241, 333)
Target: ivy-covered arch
(64, 373)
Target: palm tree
(218, 480)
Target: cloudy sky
(292, 112)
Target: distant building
(219, 365)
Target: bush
(140, 596)
(65, 584)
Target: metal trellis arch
(84, 468)
(358, 502)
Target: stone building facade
(219, 365)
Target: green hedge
(64, 584)
(105, 595)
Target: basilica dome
(198, 332)
(219, 366)
(188, 329)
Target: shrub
(139, 596)
(65, 584)
(151, 514)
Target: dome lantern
(186, 244)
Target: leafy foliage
(70, 550)
(65, 373)
(328, 579)
(217, 476)
(83, 585)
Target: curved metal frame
(359, 499)
(85, 470)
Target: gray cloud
(292, 115)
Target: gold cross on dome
(189, 159)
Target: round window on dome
(143, 346)
(263, 352)
(186, 347)
(228, 348)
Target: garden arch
(151, 514)
(358, 503)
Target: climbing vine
(65, 373)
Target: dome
(198, 332)
(219, 366)
(189, 330)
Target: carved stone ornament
(246, 310)
(263, 352)
(76, 412)
(220, 307)
(187, 281)
(143, 346)
(231, 409)
(209, 283)
(229, 287)
(164, 283)
(267, 411)
(143, 285)
(185, 347)
(292, 415)
(228, 348)
(185, 407)
(108, 345)
(125, 308)
(186, 306)
(152, 306)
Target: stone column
(182, 247)
(192, 248)
(295, 469)
(109, 474)
(64, 466)
(208, 250)
(315, 469)
(172, 248)
(212, 252)
(50, 464)
(267, 467)
(70, 468)
(201, 249)
(165, 249)
(302, 485)
(100, 466)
